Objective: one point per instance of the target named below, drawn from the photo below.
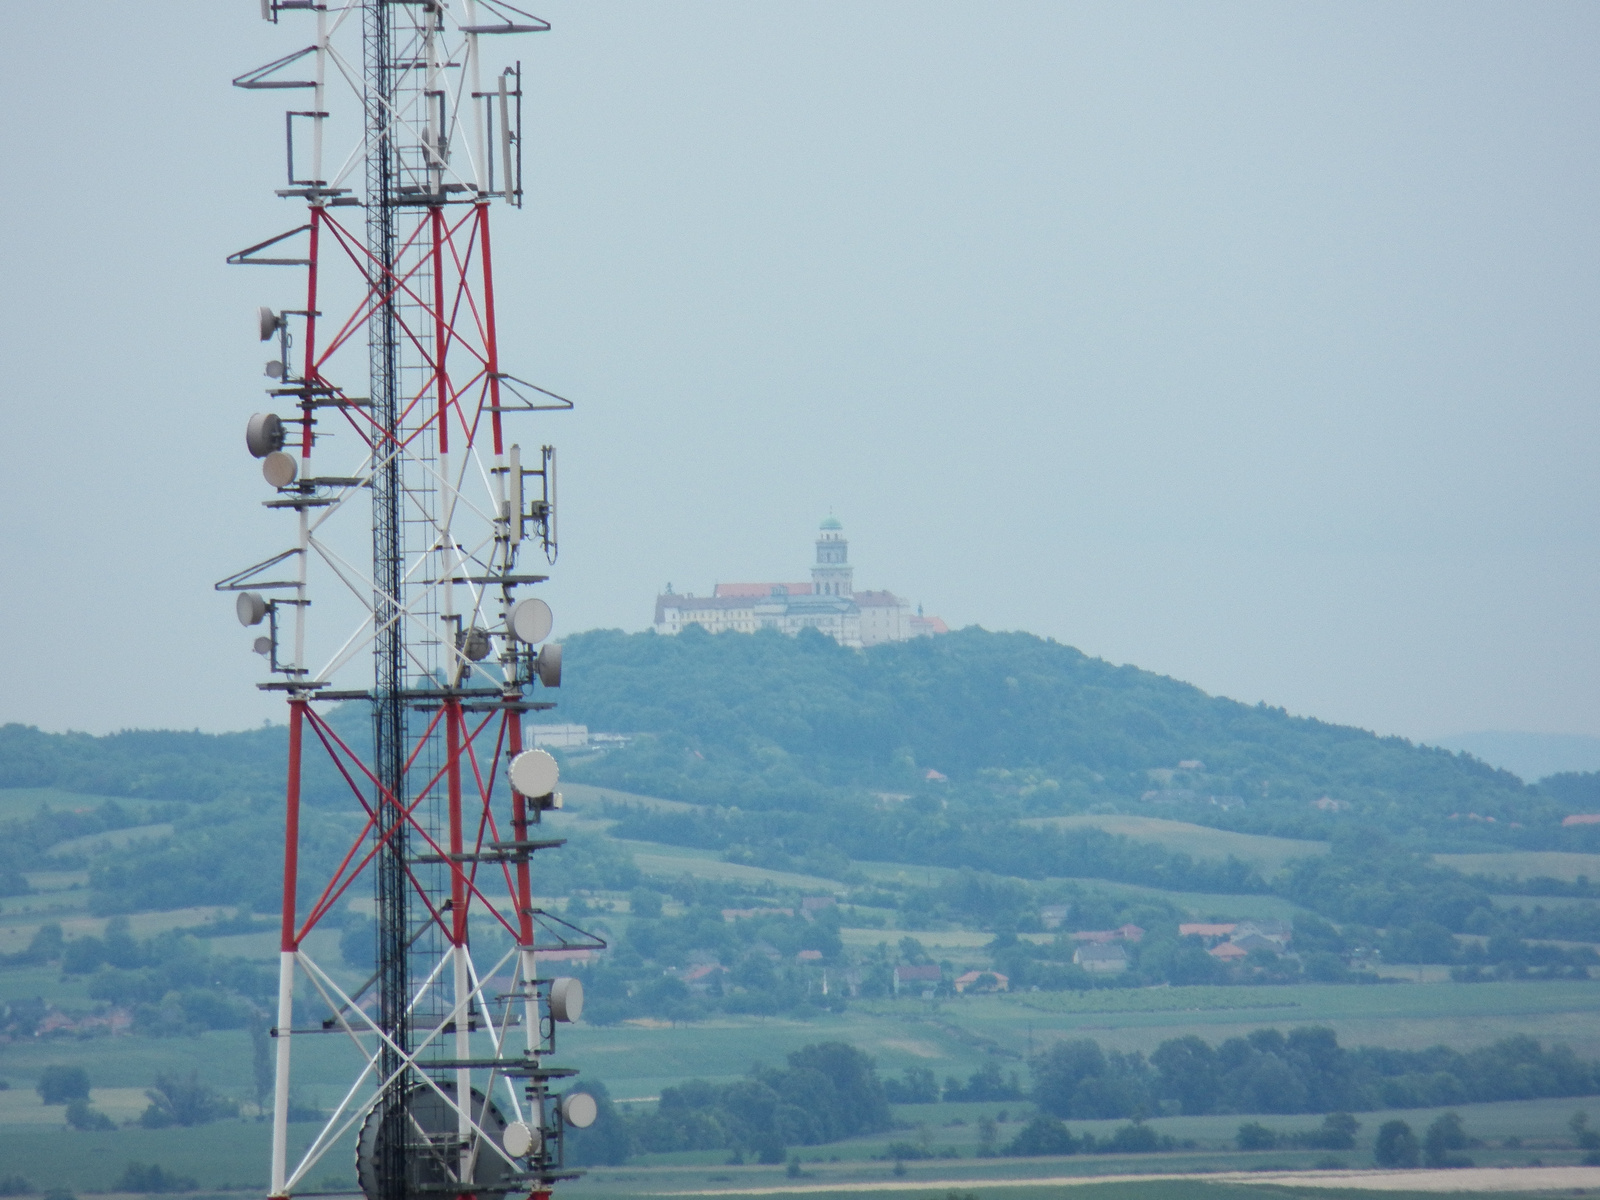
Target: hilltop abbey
(829, 604)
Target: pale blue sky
(1249, 343)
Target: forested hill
(1020, 722)
(1002, 725)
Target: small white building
(1101, 958)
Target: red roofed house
(1582, 819)
(1228, 952)
(971, 978)
(700, 979)
(917, 978)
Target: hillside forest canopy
(799, 754)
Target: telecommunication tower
(403, 141)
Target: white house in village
(829, 604)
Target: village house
(917, 979)
(1053, 916)
(1101, 958)
(1122, 933)
(980, 981)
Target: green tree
(263, 1068)
(175, 1101)
(1396, 1145)
(1253, 1135)
(1444, 1137)
(60, 1084)
(1586, 1138)
(1042, 1136)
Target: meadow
(1267, 854)
(636, 1059)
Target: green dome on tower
(830, 524)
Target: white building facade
(829, 604)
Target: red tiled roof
(963, 982)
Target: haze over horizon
(1248, 344)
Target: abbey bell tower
(833, 575)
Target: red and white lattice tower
(409, 505)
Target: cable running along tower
(402, 142)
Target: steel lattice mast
(450, 1096)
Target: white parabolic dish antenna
(531, 621)
(534, 773)
(566, 998)
(251, 607)
(279, 469)
(264, 434)
(518, 1139)
(579, 1109)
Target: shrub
(90, 1120)
(152, 1179)
(1133, 1138)
(1253, 1135)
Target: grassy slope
(1267, 854)
(1525, 864)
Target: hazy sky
(1253, 344)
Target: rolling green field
(1268, 854)
(232, 1154)
(956, 1037)
(1525, 864)
(637, 1059)
(1275, 1188)
(24, 802)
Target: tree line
(827, 1092)
(1303, 1071)
(831, 1091)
